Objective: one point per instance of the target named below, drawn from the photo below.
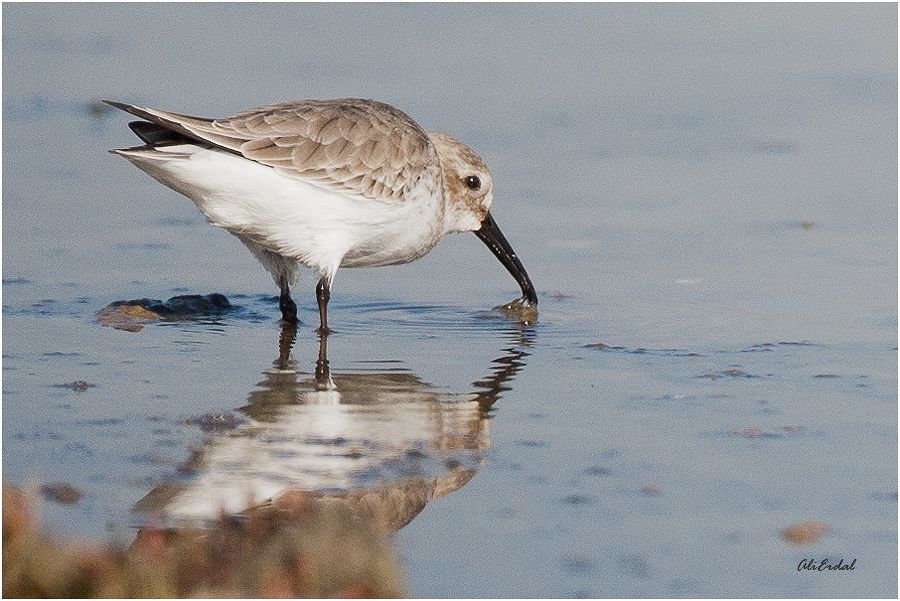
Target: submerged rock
(131, 315)
(130, 318)
(188, 305)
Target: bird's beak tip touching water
(490, 234)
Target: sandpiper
(324, 183)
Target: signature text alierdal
(821, 566)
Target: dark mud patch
(887, 497)
(216, 421)
(559, 296)
(531, 444)
(665, 352)
(634, 566)
(650, 490)
(578, 499)
(789, 432)
(731, 372)
(598, 471)
(753, 432)
(577, 565)
(768, 347)
(101, 421)
(77, 385)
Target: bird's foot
(324, 331)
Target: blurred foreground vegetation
(295, 548)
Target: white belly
(322, 228)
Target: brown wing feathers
(361, 146)
(369, 147)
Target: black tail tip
(119, 105)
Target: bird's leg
(323, 294)
(323, 373)
(285, 344)
(286, 303)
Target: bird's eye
(472, 182)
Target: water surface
(704, 196)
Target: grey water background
(709, 192)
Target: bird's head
(469, 194)
(468, 184)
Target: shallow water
(705, 198)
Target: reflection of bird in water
(381, 443)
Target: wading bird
(326, 184)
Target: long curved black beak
(490, 234)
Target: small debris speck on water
(804, 533)
(753, 432)
(650, 490)
(579, 499)
(597, 470)
(77, 385)
(61, 492)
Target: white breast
(320, 227)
